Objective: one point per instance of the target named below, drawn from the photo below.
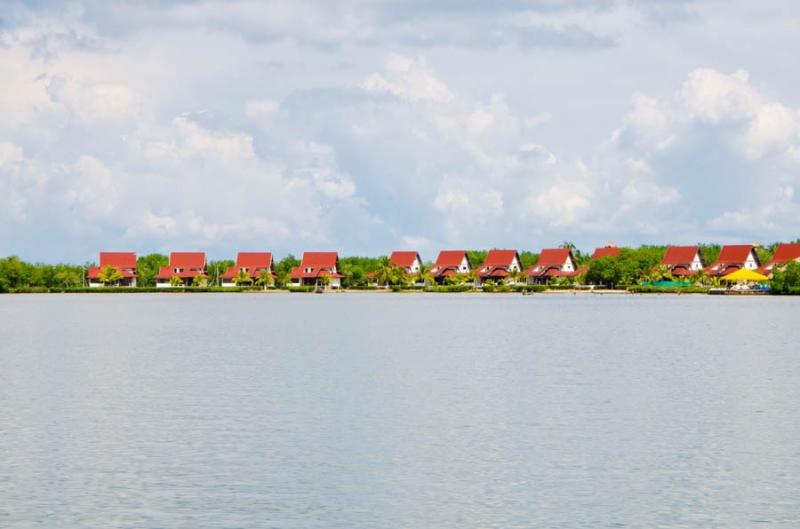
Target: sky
(372, 126)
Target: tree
(391, 275)
(242, 277)
(786, 279)
(147, 266)
(109, 275)
(200, 280)
(264, 279)
(324, 281)
(176, 281)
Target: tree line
(631, 267)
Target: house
(315, 265)
(125, 262)
(784, 254)
(450, 263)
(608, 250)
(183, 265)
(732, 258)
(683, 260)
(251, 263)
(409, 261)
(552, 262)
(498, 265)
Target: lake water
(399, 411)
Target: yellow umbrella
(744, 274)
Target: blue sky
(372, 126)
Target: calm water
(390, 411)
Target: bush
(642, 289)
(530, 288)
(450, 288)
(301, 289)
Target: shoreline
(381, 291)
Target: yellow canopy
(744, 274)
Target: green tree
(215, 269)
(264, 279)
(200, 280)
(786, 279)
(109, 275)
(147, 266)
(176, 281)
(242, 278)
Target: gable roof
(319, 260)
(121, 260)
(252, 260)
(680, 255)
(187, 260)
(448, 258)
(550, 262)
(192, 263)
(319, 263)
(447, 261)
(605, 251)
(255, 262)
(783, 254)
(497, 263)
(732, 256)
(404, 259)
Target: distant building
(733, 258)
(683, 260)
(605, 251)
(251, 263)
(450, 263)
(125, 262)
(609, 250)
(552, 262)
(408, 261)
(784, 254)
(313, 266)
(498, 265)
(184, 265)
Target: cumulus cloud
(366, 125)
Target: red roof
(605, 251)
(731, 258)
(125, 262)
(448, 260)
(94, 271)
(192, 263)
(680, 255)
(187, 260)
(119, 260)
(316, 264)
(254, 262)
(783, 254)
(403, 259)
(497, 263)
(550, 262)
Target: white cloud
(410, 79)
(93, 188)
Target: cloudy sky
(367, 126)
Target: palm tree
(176, 281)
(324, 281)
(264, 279)
(109, 275)
(384, 275)
(200, 280)
(242, 277)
